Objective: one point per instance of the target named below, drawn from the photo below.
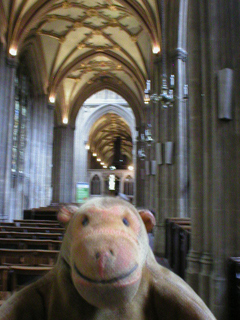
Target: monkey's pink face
(107, 255)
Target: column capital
(179, 54)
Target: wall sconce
(52, 99)
(13, 51)
(65, 120)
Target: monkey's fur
(106, 270)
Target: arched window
(128, 186)
(96, 185)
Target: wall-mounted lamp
(156, 49)
(94, 154)
(52, 99)
(65, 120)
(13, 51)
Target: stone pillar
(3, 128)
(7, 130)
(196, 146)
(50, 125)
(223, 176)
(206, 259)
(140, 171)
(181, 135)
(161, 125)
(63, 164)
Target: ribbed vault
(84, 45)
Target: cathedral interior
(141, 93)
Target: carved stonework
(179, 53)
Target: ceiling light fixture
(166, 96)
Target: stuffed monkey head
(106, 246)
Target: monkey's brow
(112, 211)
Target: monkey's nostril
(111, 252)
(97, 255)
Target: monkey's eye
(85, 221)
(126, 222)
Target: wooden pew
(23, 275)
(178, 232)
(29, 257)
(45, 213)
(7, 224)
(31, 235)
(233, 287)
(50, 222)
(180, 249)
(42, 244)
(170, 228)
(38, 225)
(4, 276)
(31, 229)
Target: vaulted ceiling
(103, 135)
(83, 46)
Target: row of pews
(178, 234)
(28, 249)
(177, 244)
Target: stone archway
(86, 118)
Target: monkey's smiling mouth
(113, 280)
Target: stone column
(206, 259)
(181, 135)
(3, 128)
(50, 125)
(7, 123)
(224, 177)
(196, 146)
(63, 164)
(161, 125)
(140, 171)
